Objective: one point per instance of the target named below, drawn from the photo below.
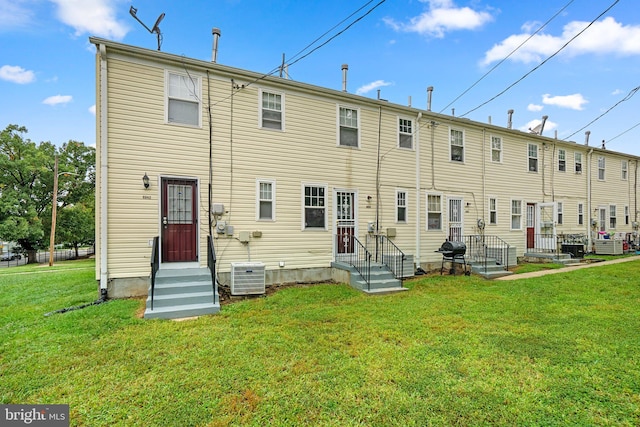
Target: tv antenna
(155, 29)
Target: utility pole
(54, 211)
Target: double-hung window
(626, 215)
(183, 99)
(516, 214)
(577, 160)
(580, 214)
(266, 200)
(601, 165)
(560, 213)
(401, 206)
(271, 110)
(562, 160)
(405, 133)
(496, 149)
(612, 216)
(457, 145)
(624, 167)
(315, 202)
(434, 212)
(349, 128)
(493, 211)
(532, 150)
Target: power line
(507, 57)
(620, 134)
(543, 62)
(626, 98)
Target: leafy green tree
(26, 185)
(76, 226)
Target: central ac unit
(247, 278)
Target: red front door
(531, 225)
(179, 220)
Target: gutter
(104, 170)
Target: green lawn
(562, 349)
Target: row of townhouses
(200, 161)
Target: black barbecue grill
(453, 252)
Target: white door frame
(338, 222)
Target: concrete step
(182, 311)
(181, 287)
(180, 299)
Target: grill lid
(454, 248)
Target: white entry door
(546, 214)
(345, 214)
(455, 219)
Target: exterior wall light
(145, 180)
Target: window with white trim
(183, 99)
(401, 206)
(562, 160)
(516, 214)
(601, 165)
(456, 147)
(626, 215)
(434, 212)
(315, 202)
(493, 211)
(271, 110)
(612, 216)
(405, 133)
(496, 149)
(265, 200)
(560, 213)
(532, 152)
(624, 167)
(577, 161)
(349, 129)
(580, 214)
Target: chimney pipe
(216, 35)
(345, 68)
(510, 117)
(544, 120)
(429, 96)
(586, 137)
(409, 100)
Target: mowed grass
(562, 349)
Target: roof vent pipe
(544, 120)
(345, 68)
(216, 35)
(586, 137)
(489, 120)
(409, 100)
(429, 95)
(510, 117)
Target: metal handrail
(391, 254)
(479, 247)
(211, 263)
(543, 243)
(359, 258)
(155, 265)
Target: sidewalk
(566, 269)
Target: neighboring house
(291, 173)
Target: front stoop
(182, 293)
(493, 270)
(381, 280)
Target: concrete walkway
(568, 268)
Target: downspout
(484, 175)
(104, 170)
(418, 203)
(635, 195)
(378, 176)
(553, 173)
(433, 149)
(589, 232)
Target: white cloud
(603, 37)
(372, 86)
(92, 109)
(535, 107)
(617, 92)
(16, 74)
(442, 17)
(573, 102)
(94, 17)
(58, 99)
(14, 15)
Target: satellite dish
(155, 28)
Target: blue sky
(571, 60)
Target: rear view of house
(208, 171)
